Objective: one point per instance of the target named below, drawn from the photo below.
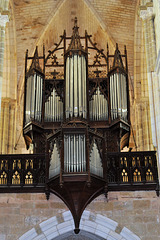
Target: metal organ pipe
(53, 108)
(34, 98)
(67, 89)
(118, 96)
(75, 86)
(98, 107)
(74, 153)
(95, 161)
(79, 87)
(76, 103)
(71, 86)
(84, 87)
(54, 162)
(28, 98)
(124, 94)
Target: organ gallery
(77, 121)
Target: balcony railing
(22, 172)
(126, 171)
(132, 171)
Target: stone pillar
(11, 132)
(149, 14)
(7, 126)
(3, 20)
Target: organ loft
(77, 121)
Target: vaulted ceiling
(106, 20)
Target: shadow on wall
(93, 227)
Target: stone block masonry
(126, 215)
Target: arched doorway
(92, 226)
(83, 235)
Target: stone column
(3, 20)
(11, 132)
(149, 16)
(4, 125)
(7, 126)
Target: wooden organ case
(76, 110)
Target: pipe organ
(76, 110)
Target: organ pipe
(54, 162)
(98, 107)
(53, 108)
(76, 104)
(118, 96)
(74, 153)
(34, 87)
(96, 161)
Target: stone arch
(93, 226)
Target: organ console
(76, 110)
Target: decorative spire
(75, 43)
(35, 62)
(117, 58)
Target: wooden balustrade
(125, 171)
(22, 172)
(132, 171)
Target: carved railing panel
(125, 171)
(133, 168)
(22, 170)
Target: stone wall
(137, 211)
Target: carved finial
(117, 58)
(35, 62)
(75, 43)
(75, 22)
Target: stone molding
(96, 224)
